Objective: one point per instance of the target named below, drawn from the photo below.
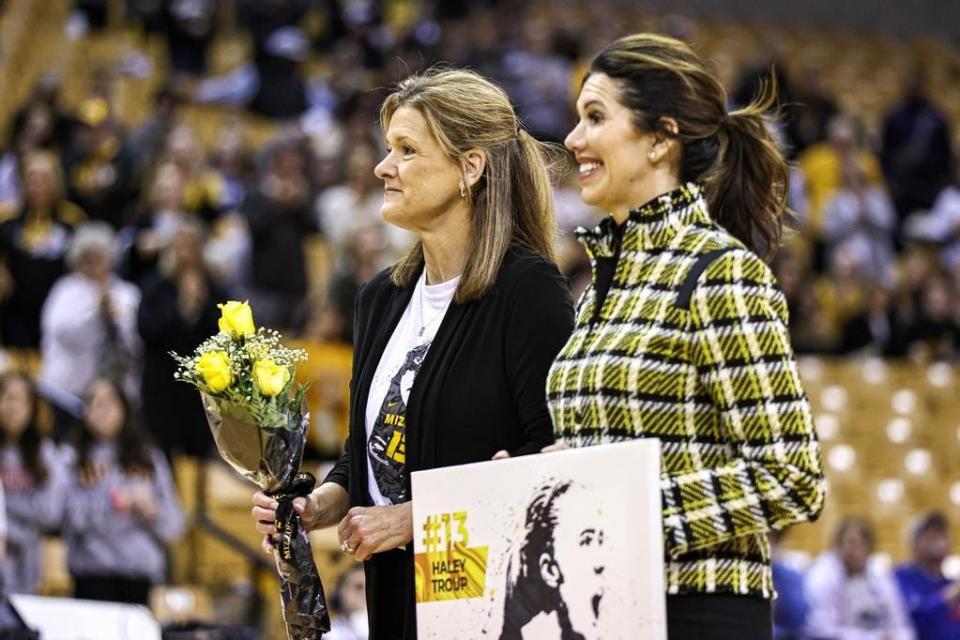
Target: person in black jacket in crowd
(452, 344)
(178, 311)
(33, 244)
(279, 213)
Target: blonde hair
(512, 202)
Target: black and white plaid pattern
(716, 383)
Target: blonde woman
(452, 344)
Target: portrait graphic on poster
(566, 545)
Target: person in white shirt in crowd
(33, 479)
(942, 224)
(88, 325)
(850, 597)
(859, 220)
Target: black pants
(719, 617)
(111, 588)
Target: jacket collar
(650, 225)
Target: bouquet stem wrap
(268, 451)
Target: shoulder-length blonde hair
(512, 202)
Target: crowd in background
(118, 242)
(847, 593)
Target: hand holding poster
(562, 545)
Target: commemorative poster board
(560, 545)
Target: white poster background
(613, 590)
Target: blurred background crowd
(160, 156)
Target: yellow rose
(214, 366)
(236, 318)
(270, 377)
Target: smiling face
(615, 168)
(421, 183)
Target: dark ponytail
(748, 190)
(733, 156)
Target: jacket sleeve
(538, 323)
(742, 352)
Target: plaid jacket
(716, 382)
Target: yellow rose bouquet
(255, 410)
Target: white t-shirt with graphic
(390, 388)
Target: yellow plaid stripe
(717, 384)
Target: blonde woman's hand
(365, 531)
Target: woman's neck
(657, 184)
(445, 246)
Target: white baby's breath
(242, 353)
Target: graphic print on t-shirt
(386, 448)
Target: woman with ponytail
(452, 344)
(682, 335)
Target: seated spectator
(932, 600)
(790, 608)
(942, 225)
(33, 481)
(934, 333)
(878, 331)
(841, 295)
(349, 602)
(822, 166)
(33, 244)
(121, 508)
(88, 324)
(810, 330)
(178, 311)
(851, 599)
(859, 220)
